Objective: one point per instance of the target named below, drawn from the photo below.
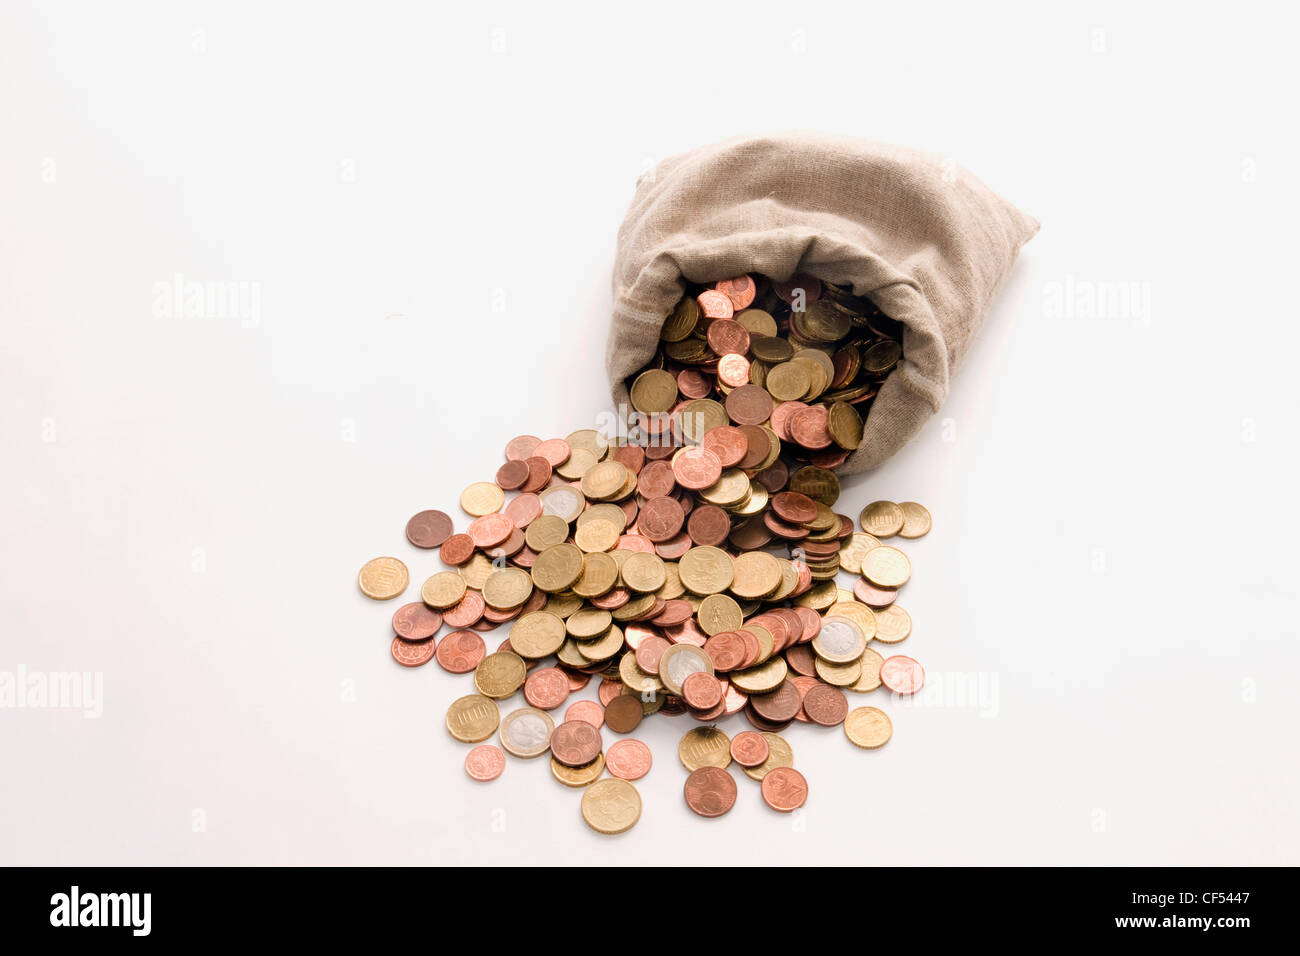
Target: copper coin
(412, 653)
(556, 451)
(762, 723)
(636, 542)
(749, 405)
(812, 623)
(546, 688)
(733, 370)
(829, 458)
(686, 632)
(648, 652)
(726, 650)
(784, 789)
(801, 660)
(696, 468)
(429, 529)
(692, 384)
(708, 525)
(575, 743)
(795, 507)
(791, 532)
(461, 651)
(781, 419)
(672, 706)
(902, 674)
(416, 621)
(586, 710)
(710, 791)
(774, 476)
(740, 290)
(809, 286)
(466, 612)
(728, 443)
(715, 305)
(539, 474)
(631, 457)
(457, 549)
(869, 594)
(734, 699)
(608, 690)
(675, 612)
(759, 446)
(713, 713)
(490, 530)
(628, 759)
(825, 705)
(674, 547)
(485, 763)
(508, 548)
(777, 706)
(808, 427)
(523, 509)
(661, 519)
(701, 691)
(634, 634)
(656, 480)
(749, 748)
(577, 681)
(727, 336)
(623, 714)
(612, 600)
(804, 684)
(520, 448)
(512, 475)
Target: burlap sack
(923, 238)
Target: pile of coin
(690, 563)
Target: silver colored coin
(840, 641)
(526, 732)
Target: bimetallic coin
(704, 747)
(611, 806)
(868, 727)
(472, 718)
(839, 641)
(679, 662)
(383, 579)
(526, 732)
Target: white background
(186, 501)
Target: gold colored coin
(557, 568)
(761, 679)
(700, 417)
(817, 483)
(577, 777)
(644, 572)
(858, 613)
(526, 732)
(820, 596)
(382, 579)
(634, 608)
(757, 574)
(779, 754)
(589, 440)
(570, 656)
(757, 322)
(845, 425)
(588, 624)
(482, 498)
(563, 501)
(604, 511)
(562, 605)
(537, 634)
(654, 391)
(884, 519)
(916, 520)
(546, 531)
(443, 589)
(682, 320)
(477, 570)
(730, 489)
(868, 727)
(706, 570)
(788, 382)
(789, 581)
(651, 702)
(607, 479)
(672, 587)
(886, 567)
(718, 613)
(704, 747)
(500, 675)
(635, 679)
(598, 535)
(602, 647)
(766, 641)
(754, 504)
(854, 550)
(893, 625)
(869, 679)
(579, 462)
(599, 575)
(611, 806)
(473, 718)
(507, 588)
(839, 675)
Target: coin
(482, 498)
(654, 391)
(416, 622)
(499, 675)
(679, 662)
(785, 789)
(578, 776)
(628, 759)
(779, 755)
(412, 653)
(546, 688)
(702, 691)
(623, 714)
(704, 747)
(537, 634)
(472, 718)
(882, 519)
(460, 651)
(485, 763)
(575, 743)
(749, 748)
(383, 579)
(557, 568)
(893, 625)
(586, 710)
(526, 732)
(429, 529)
(868, 727)
(825, 705)
(902, 674)
(886, 567)
(710, 791)
(611, 806)
(869, 675)
(916, 520)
